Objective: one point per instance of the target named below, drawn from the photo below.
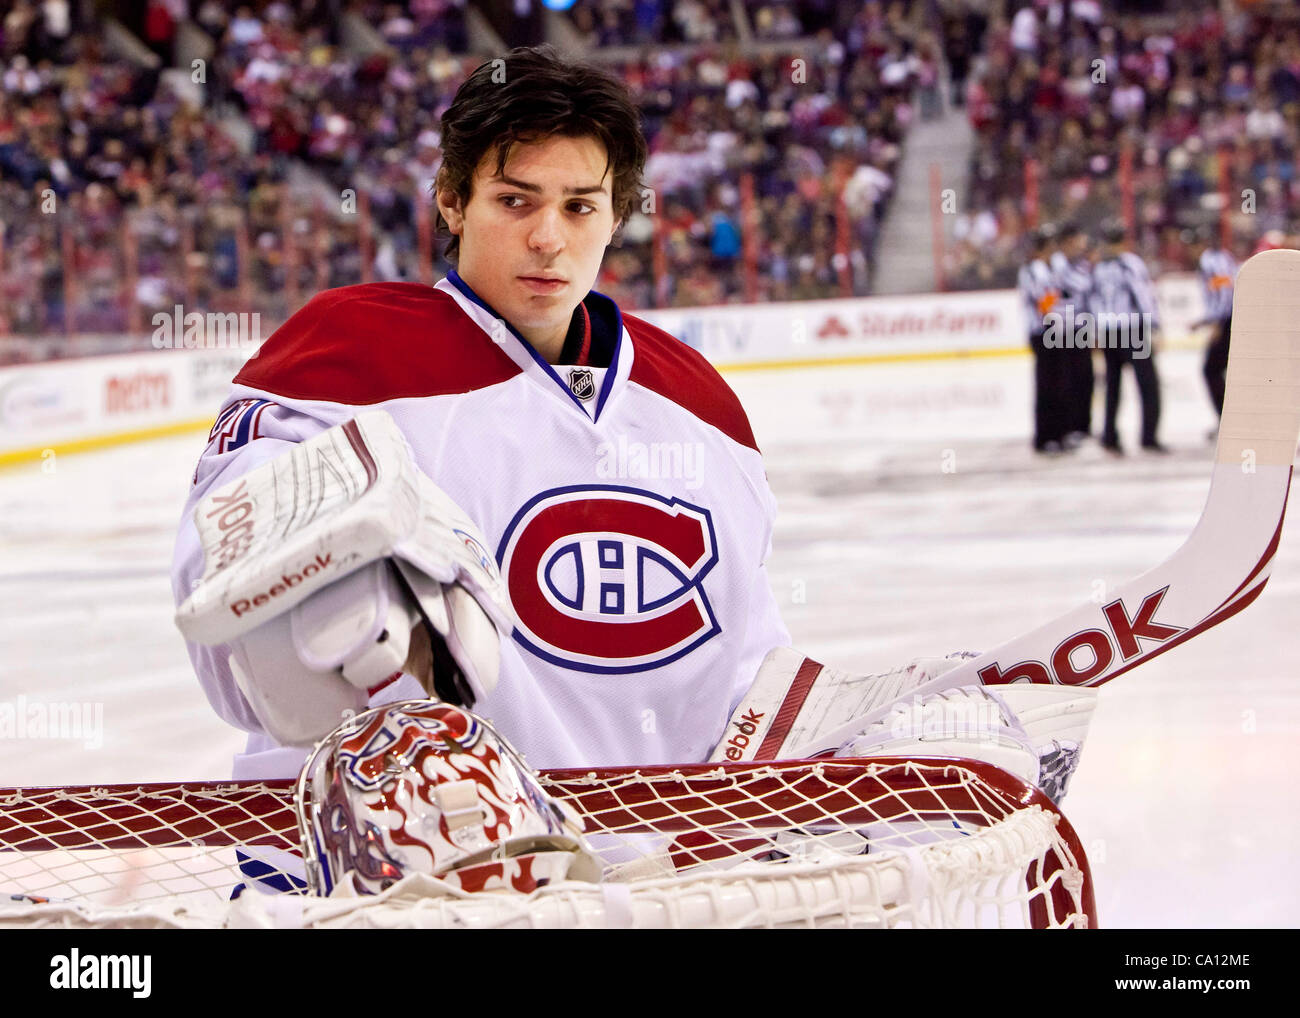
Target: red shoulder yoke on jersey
(374, 342)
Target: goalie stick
(1218, 571)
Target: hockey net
(861, 843)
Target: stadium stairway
(905, 254)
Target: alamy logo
(1105, 331)
(35, 719)
(639, 461)
(75, 971)
(940, 719)
(179, 330)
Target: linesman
(1218, 276)
(1123, 305)
(1072, 269)
(1037, 285)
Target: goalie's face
(532, 238)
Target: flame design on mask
(382, 817)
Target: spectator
(714, 116)
(1099, 92)
(160, 30)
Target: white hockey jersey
(623, 495)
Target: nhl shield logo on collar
(581, 383)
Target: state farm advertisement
(887, 327)
(830, 329)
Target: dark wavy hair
(529, 95)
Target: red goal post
(835, 842)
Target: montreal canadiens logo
(609, 579)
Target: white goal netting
(862, 843)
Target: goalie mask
(425, 787)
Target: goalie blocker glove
(319, 563)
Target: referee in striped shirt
(1037, 285)
(1218, 274)
(1072, 271)
(1123, 302)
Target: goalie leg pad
(1034, 731)
(968, 722)
(1056, 719)
(797, 707)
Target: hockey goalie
(458, 492)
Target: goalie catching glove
(336, 565)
